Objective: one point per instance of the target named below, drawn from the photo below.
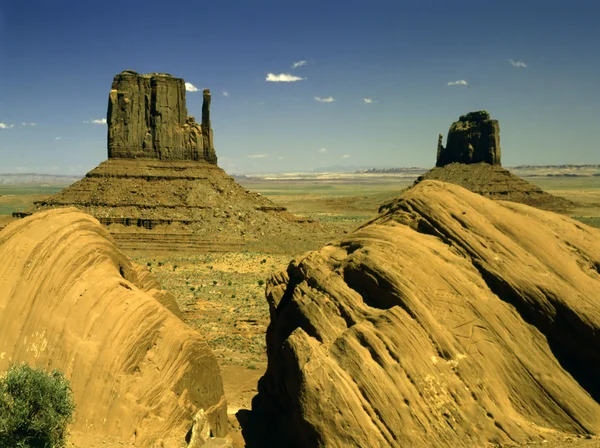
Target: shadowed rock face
(474, 138)
(450, 320)
(147, 118)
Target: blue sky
(535, 65)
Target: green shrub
(261, 282)
(35, 408)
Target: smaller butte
(472, 159)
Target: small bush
(261, 282)
(175, 267)
(160, 263)
(215, 282)
(229, 283)
(35, 408)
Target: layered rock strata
(161, 188)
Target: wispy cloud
(190, 87)
(329, 99)
(28, 124)
(96, 121)
(6, 126)
(282, 77)
(280, 158)
(346, 156)
(258, 156)
(323, 150)
(460, 82)
(225, 93)
(57, 138)
(368, 100)
(299, 64)
(518, 64)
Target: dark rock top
(474, 138)
(147, 118)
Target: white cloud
(257, 156)
(190, 87)
(460, 82)
(225, 93)
(57, 138)
(28, 124)
(323, 150)
(329, 99)
(282, 77)
(368, 100)
(280, 158)
(6, 126)
(518, 64)
(299, 64)
(346, 156)
(96, 121)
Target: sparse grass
(225, 301)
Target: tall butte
(161, 187)
(472, 159)
(147, 118)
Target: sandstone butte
(161, 187)
(71, 300)
(472, 159)
(449, 320)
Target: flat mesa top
(147, 75)
(480, 115)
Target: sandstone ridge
(147, 118)
(71, 300)
(448, 320)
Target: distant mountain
(412, 170)
(37, 179)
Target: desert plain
(221, 289)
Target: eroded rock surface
(71, 300)
(147, 118)
(474, 138)
(450, 320)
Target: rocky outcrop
(495, 182)
(71, 300)
(147, 118)
(474, 138)
(450, 320)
